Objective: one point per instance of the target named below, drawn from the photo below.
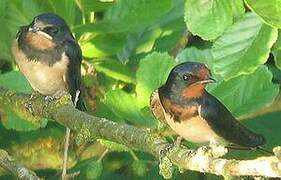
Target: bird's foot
(165, 165)
(174, 146)
(159, 131)
(56, 96)
(28, 103)
(217, 149)
(48, 99)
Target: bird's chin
(41, 33)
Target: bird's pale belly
(48, 80)
(195, 130)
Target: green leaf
(103, 45)
(238, 8)
(125, 106)
(196, 55)
(247, 93)
(208, 19)
(116, 70)
(67, 9)
(172, 27)
(139, 168)
(139, 42)
(243, 47)
(87, 6)
(127, 15)
(152, 73)
(94, 170)
(20, 122)
(269, 10)
(4, 53)
(162, 35)
(89, 169)
(14, 80)
(113, 146)
(276, 51)
(105, 112)
(14, 15)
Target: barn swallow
(194, 114)
(49, 57)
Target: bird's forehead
(41, 24)
(49, 20)
(190, 67)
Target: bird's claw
(28, 103)
(28, 106)
(48, 99)
(166, 150)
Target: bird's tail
(265, 151)
(259, 149)
(81, 104)
(78, 101)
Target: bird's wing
(156, 107)
(73, 75)
(224, 123)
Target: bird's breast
(46, 79)
(194, 129)
(187, 122)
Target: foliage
(133, 44)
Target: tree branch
(91, 127)
(15, 168)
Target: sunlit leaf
(18, 120)
(238, 8)
(103, 45)
(269, 10)
(276, 51)
(125, 106)
(116, 70)
(243, 47)
(152, 73)
(208, 19)
(14, 80)
(113, 146)
(247, 93)
(127, 15)
(87, 6)
(196, 55)
(172, 27)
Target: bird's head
(189, 79)
(46, 31)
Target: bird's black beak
(209, 80)
(37, 30)
(34, 29)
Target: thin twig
(66, 143)
(19, 171)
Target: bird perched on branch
(194, 114)
(49, 57)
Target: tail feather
(81, 104)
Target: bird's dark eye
(187, 77)
(51, 30)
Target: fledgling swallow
(49, 57)
(194, 114)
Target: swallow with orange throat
(194, 114)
